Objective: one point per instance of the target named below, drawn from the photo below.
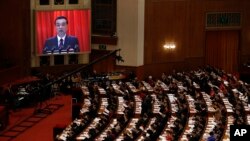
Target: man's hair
(211, 133)
(61, 17)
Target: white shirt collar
(58, 38)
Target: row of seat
(179, 96)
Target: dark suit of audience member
(211, 137)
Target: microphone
(53, 49)
(68, 48)
(60, 49)
(45, 49)
(76, 48)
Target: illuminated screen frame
(79, 25)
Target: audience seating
(182, 106)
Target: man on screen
(61, 43)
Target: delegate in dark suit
(61, 43)
(70, 45)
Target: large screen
(62, 31)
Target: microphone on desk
(76, 48)
(60, 49)
(45, 49)
(53, 49)
(69, 49)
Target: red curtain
(222, 49)
(78, 25)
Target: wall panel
(184, 22)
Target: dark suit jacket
(71, 45)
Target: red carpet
(43, 130)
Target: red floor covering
(43, 130)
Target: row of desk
(211, 122)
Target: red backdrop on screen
(78, 25)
